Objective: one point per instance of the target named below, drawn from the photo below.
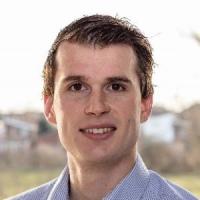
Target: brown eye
(77, 87)
(116, 87)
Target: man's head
(101, 31)
(98, 88)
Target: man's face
(97, 105)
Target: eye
(76, 87)
(117, 87)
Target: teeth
(98, 130)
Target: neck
(91, 181)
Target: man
(97, 92)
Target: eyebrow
(118, 79)
(74, 78)
(108, 79)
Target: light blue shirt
(139, 184)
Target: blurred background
(30, 152)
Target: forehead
(111, 59)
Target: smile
(98, 130)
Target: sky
(28, 28)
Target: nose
(97, 104)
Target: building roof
(161, 127)
(19, 124)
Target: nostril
(97, 109)
(97, 105)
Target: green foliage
(44, 127)
(18, 180)
(15, 181)
(190, 181)
(196, 36)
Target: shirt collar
(131, 187)
(60, 190)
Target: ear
(146, 107)
(49, 110)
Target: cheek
(128, 106)
(128, 114)
(68, 106)
(68, 113)
(72, 101)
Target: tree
(196, 36)
(44, 127)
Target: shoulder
(41, 192)
(166, 190)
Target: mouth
(98, 131)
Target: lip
(98, 126)
(98, 137)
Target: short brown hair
(103, 30)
